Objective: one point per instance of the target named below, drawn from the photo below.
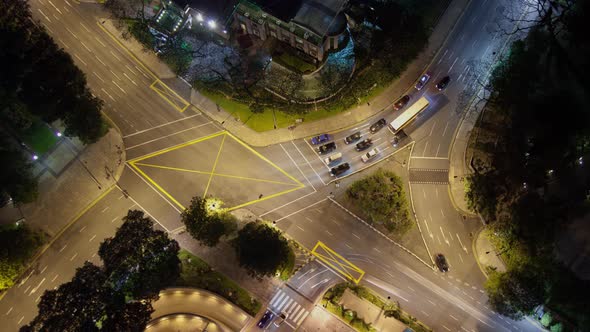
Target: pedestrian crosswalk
(282, 302)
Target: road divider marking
(169, 95)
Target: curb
(474, 250)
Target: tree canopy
(206, 225)
(17, 245)
(261, 249)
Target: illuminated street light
(581, 161)
(199, 17)
(58, 134)
(212, 24)
(35, 157)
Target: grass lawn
(197, 273)
(39, 137)
(289, 60)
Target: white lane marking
(283, 303)
(71, 259)
(73, 34)
(425, 147)
(319, 283)
(453, 317)
(46, 17)
(302, 318)
(334, 221)
(114, 219)
(37, 287)
(166, 136)
(68, 3)
(81, 229)
(116, 57)
(298, 315)
(461, 258)
(108, 94)
(129, 78)
(9, 311)
(301, 228)
(92, 238)
(434, 304)
(59, 11)
(442, 57)
(358, 237)
(444, 237)
(297, 166)
(446, 328)
(424, 312)
(20, 320)
(278, 296)
(453, 65)
(377, 250)
(329, 233)
(100, 42)
(458, 238)
(85, 28)
(45, 268)
(432, 129)
(313, 169)
(349, 247)
(79, 58)
(100, 78)
(131, 70)
(117, 76)
(52, 280)
(86, 47)
(441, 212)
(120, 88)
(437, 150)
(100, 60)
(104, 210)
(62, 249)
(428, 229)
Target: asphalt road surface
(173, 155)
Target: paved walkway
(370, 313)
(185, 309)
(486, 254)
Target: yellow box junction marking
(170, 96)
(337, 262)
(136, 163)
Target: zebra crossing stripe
(300, 313)
(278, 298)
(288, 303)
(288, 309)
(302, 318)
(295, 308)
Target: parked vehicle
(320, 139)
(333, 158)
(441, 262)
(364, 144)
(326, 148)
(352, 138)
(370, 155)
(375, 127)
(422, 81)
(340, 169)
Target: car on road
(266, 319)
(333, 158)
(395, 141)
(441, 262)
(326, 148)
(338, 170)
(370, 155)
(400, 103)
(364, 144)
(352, 138)
(281, 318)
(443, 83)
(320, 139)
(375, 127)
(422, 81)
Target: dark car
(364, 144)
(320, 139)
(395, 141)
(375, 127)
(422, 81)
(441, 262)
(400, 103)
(443, 83)
(327, 148)
(266, 319)
(352, 138)
(335, 171)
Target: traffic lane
(322, 320)
(292, 305)
(313, 280)
(57, 265)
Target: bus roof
(409, 114)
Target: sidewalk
(370, 313)
(485, 253)
(70, 177)
(351, 117)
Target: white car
(370, 155)
(333, 158)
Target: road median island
(362, 309)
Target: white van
(333, 158)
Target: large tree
(204, 225)
(140, 260)
(261, 249)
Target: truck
(408, 115)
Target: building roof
(324, 17)
(284, 10)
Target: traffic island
(362, 309)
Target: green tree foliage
(88, 303)
(481, 194)
(17, 245)
(381, 197)
(205, 225)
(547, 319)
(16, 177)
(261, 249)
(515, 293)
(139, 259)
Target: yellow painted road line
(214, 165)
(264, 158)
(178, 146)
(265, 198)
(216, 174)
(337, 262)
(169, 95)
(156, 185)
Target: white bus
(408, 115)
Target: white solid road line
(161, 125)
(297, 166)
(453, 65)
(166, 136)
